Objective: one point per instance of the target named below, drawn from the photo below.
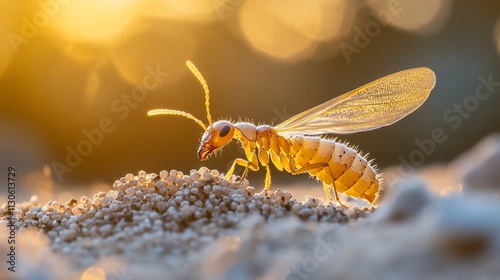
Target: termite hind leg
(334, 189)
(296, 171)
(327, 191)
(326, 187)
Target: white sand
(199, 226)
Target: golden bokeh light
(192, 10)
(291, 31)
(153, 48)
(422, 17)
(8, 27)
(93, 20)
(341, 18)
(333, 15)
(91, 53)
(6, 52)
(92, 86)
(94, 273)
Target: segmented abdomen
(352, 173)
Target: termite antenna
(157, 112)
(202, 81)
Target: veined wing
(379, 103)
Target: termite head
(216, 136)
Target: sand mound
(200, 226)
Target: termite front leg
(245, 163)
(241, 161)
(250, 163)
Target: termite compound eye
(224, 131)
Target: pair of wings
(379, 103)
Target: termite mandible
(294, 146)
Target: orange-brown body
(335, 164)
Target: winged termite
(294, 146)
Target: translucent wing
(379, 103)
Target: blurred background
(77, 78)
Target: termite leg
(267, 182)
(245, 172)
(296, 171)
(326, 187)
(337, 196)
(242, 162)
(327, 191)
(334, 189)
(238, 161)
